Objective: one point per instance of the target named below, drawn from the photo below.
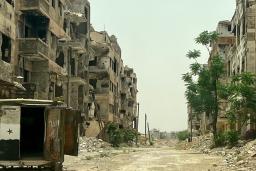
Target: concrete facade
(115, 85)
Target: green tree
(241, 95)
(202, 81)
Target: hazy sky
(155, 36)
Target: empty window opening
(26, 75)
(229, 68)
(32, 131)
(65, 25)
(80, 95)
(93, 82)
(11, 2)
(73, 67)
(82, 28)
(53, 4)
(229, 27)
(36, 27)
(243, 65)
(115, 66)
(60, 8)
(60, 59)
(130, 104)
(6, 48)
(58, 91)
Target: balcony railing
(41, 6)
(33, 47)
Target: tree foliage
(202, 81)
(241, 95)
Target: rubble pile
(240, 157)
(201, 143)
(92, 144)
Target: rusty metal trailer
(36, 134)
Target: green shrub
(114, 134)
(229, 138)
(182, 135)
(118, 136)
(219, 140)
(129, 135)
(232, 138)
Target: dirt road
(145, 159)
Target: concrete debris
(92, 145)
(240, 157)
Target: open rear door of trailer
(54, 140)
(71, 132)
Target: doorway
(32, 132)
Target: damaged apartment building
(115, 85)
(236, 44)
(50, 51)
(45, 51)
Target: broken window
(73, 66)
(26, 75)
(229, 68)
(58, 91)
(60, 59)
(243, 65)
(60, 7)
(80, 94)
(53, 4)
(82, 28)
(229, 27)
(93, 62)
(93, 82)
(115, 66)
(11, 2)
(5, 43)
(65, 25)
(36, 27)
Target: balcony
(77, 80)
(41, 7)
(34, 49)
(77, 44)
(30, 93)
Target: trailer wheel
(57, 167)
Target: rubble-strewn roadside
(240, 157)
(91, 150)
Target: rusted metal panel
(71, 132)
(54, 135)
(9, 132)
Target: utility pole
(149, 136)
(145, 128)
(191, 129)
(137, 124)
(69, 72)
